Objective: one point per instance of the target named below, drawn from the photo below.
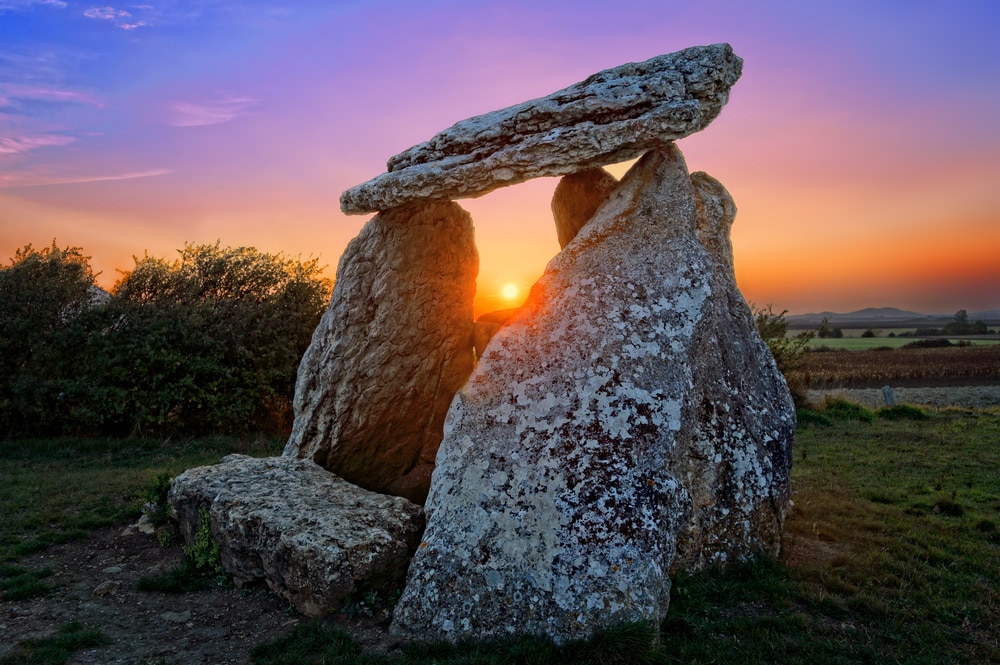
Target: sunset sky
(862, 145)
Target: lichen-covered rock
(613, 116)
(313, 537)
(736, 461)
(559, 492)
(553, 509)
(577, 198)
(392, 349)
(487, 325)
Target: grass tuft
(308, 644)
(839, 408)
(17, 583)
(806, 417)
(57, 649)
(901, 412)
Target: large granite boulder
(611, 117)
(577, 198)
(314, 538)
(561, 485)
(392, 349)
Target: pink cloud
(191, 114)
(11, 92)
(22, 144)
(117, 16)
(21, 179)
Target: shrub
(787, 351)
(842, 409)
(208, 343)
(43, 295)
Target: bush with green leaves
(787, 350)
(207, 343)
(43, 296)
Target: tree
(207, 343)
(43, 295)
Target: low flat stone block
(313, 537)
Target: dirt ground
(95, 581)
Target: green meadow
(890, 554)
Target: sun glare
(509, 290)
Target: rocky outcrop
(577, 198)
(314, 538)
(611, 117)
(392, 349)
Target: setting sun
(509, 291)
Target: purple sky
(862, 144)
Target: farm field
(966, 365)
(858, 343)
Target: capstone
(613, 116)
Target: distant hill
(884, 317)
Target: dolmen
(625, 423)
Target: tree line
(207, 343)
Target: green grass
(314, 643)
(55, 490)
(890, 552)
(57, 649)
(17, 583)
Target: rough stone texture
(487, 325)
(312, 536)
(577, 198)
(392, 349)
(736, 458)
(613, 116)
(559, 488)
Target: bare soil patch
(95, 581)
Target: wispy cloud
(9, 94)
(9, 180)
(20, 5)
(121, 18)
(21, 144)
(192, 114)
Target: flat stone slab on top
(611, 117)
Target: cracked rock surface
(391, 351)
(613, 116)
(559, 493)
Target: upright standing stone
(553, 509)
(391, 351)
(736, 460)
(560, 492)
(577, 198)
